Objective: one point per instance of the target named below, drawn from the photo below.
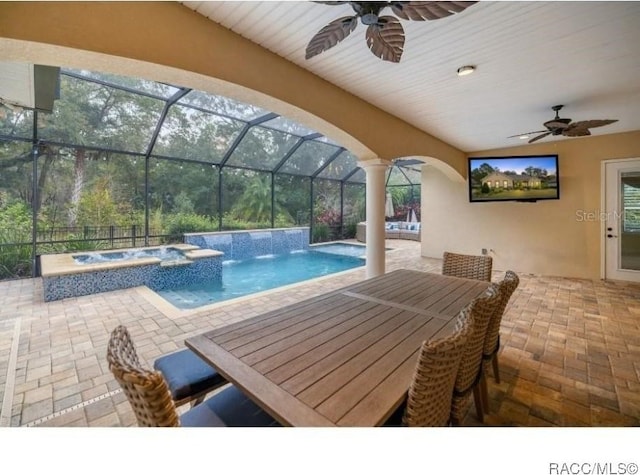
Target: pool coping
(349, 243)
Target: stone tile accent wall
(240, 245)
(157, 276)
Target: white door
(621, 223)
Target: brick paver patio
(570, 348)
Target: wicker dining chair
(151, 401)
(470, 370)
(429, 398)
(467, 266)
(506, 288)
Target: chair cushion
(187, 374)
(201, 416)
(231, 408)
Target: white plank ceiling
(529, 56)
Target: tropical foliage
(100, 180)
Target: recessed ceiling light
(523, 137)
(466, 70)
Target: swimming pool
(240, 278)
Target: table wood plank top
(345, 358)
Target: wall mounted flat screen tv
(514, 178)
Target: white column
(375, 170)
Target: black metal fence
(17, 259)
(112, 236)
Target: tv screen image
(513, 178)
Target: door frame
(603, 209)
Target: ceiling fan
(385, 35)
(559, 126)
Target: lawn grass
(544, 193)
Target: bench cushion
(187, 374)
(231, 408)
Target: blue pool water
(240, 278)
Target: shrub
(78, 244)
(231, 223)
(15, 239)
(330, 217)
(320, 232)
(15, 261)
(16, 218)
(178, 224)
(350, 231)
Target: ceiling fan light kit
(562, 126)
(384, 35)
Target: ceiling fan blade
(527, 133)
(580, 129)
(331, 35)
(386, 39)
(421, 11)
(576, 132)
(539, 137)
(590, 124)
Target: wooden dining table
(344, 358)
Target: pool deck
(570, 356)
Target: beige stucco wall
(168, 42)
(547, 237)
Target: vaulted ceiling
(529, 56)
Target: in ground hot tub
(159, 268)
(164, 253)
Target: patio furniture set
(405, 348)
(393, 230)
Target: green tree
(97, 208)
(536, 172)
(255, 202)
(91, 114)
(91, 165)
(477, 174)
(183, 204)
